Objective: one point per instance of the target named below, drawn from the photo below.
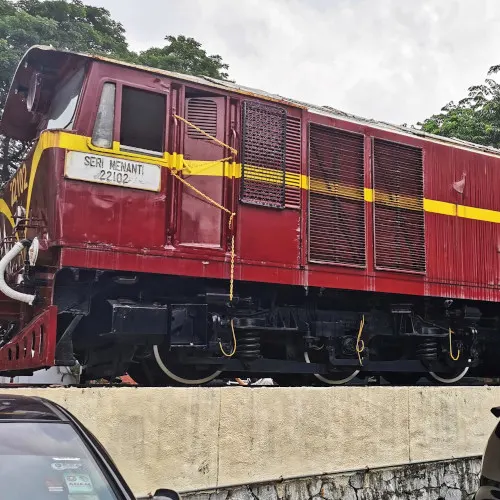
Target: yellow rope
(231, 354)
(203, 195)
(234, 151)
(212, 201)
(231, 217)
(360, 344)
(454, 358)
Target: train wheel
(334, 378)
(449, 378)
(184, 375)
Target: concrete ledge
(201, 438)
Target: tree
(184, 55)
(475, 118)
(73, 25)
(65, 25)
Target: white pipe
(4, 288)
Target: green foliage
(65, 25)
(80, 27)
(7, 8)
(73, 25)
(184, 55)
(475, 118)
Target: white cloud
(391, 60)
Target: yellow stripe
(47, 140)
(440, 207)
(5, 209)
(398, 201)
(335, 189)
(478, 214)
(176, 161)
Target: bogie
(196, 335)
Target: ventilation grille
(203, 114)
(336, 197)
(263, 155)
(293, 161)
(398, 207)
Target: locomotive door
(201, 221)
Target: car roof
(29, 408)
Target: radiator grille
(336, 197)
(263, 155)
(398, 207)
(203, 114)
(293, 161)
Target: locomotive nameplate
(112, 171)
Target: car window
(47, 460)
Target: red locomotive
(178, 228)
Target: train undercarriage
(180, 331)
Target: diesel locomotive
(181, 228)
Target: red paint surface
(34, 346)
(176, 232)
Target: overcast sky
(393, 60)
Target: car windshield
(48, 460)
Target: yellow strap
(360, 344)
(187, 168)
(454, 358)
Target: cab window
(62, 110)
(143, 116)
(102, 135)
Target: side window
(102, 135)
(62, 110)
(142, 121)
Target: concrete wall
(450, 480)
(201, 438)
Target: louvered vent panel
(336, 197)
(398, 207)
(293, 159)
(203, 114)
(263, 155)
